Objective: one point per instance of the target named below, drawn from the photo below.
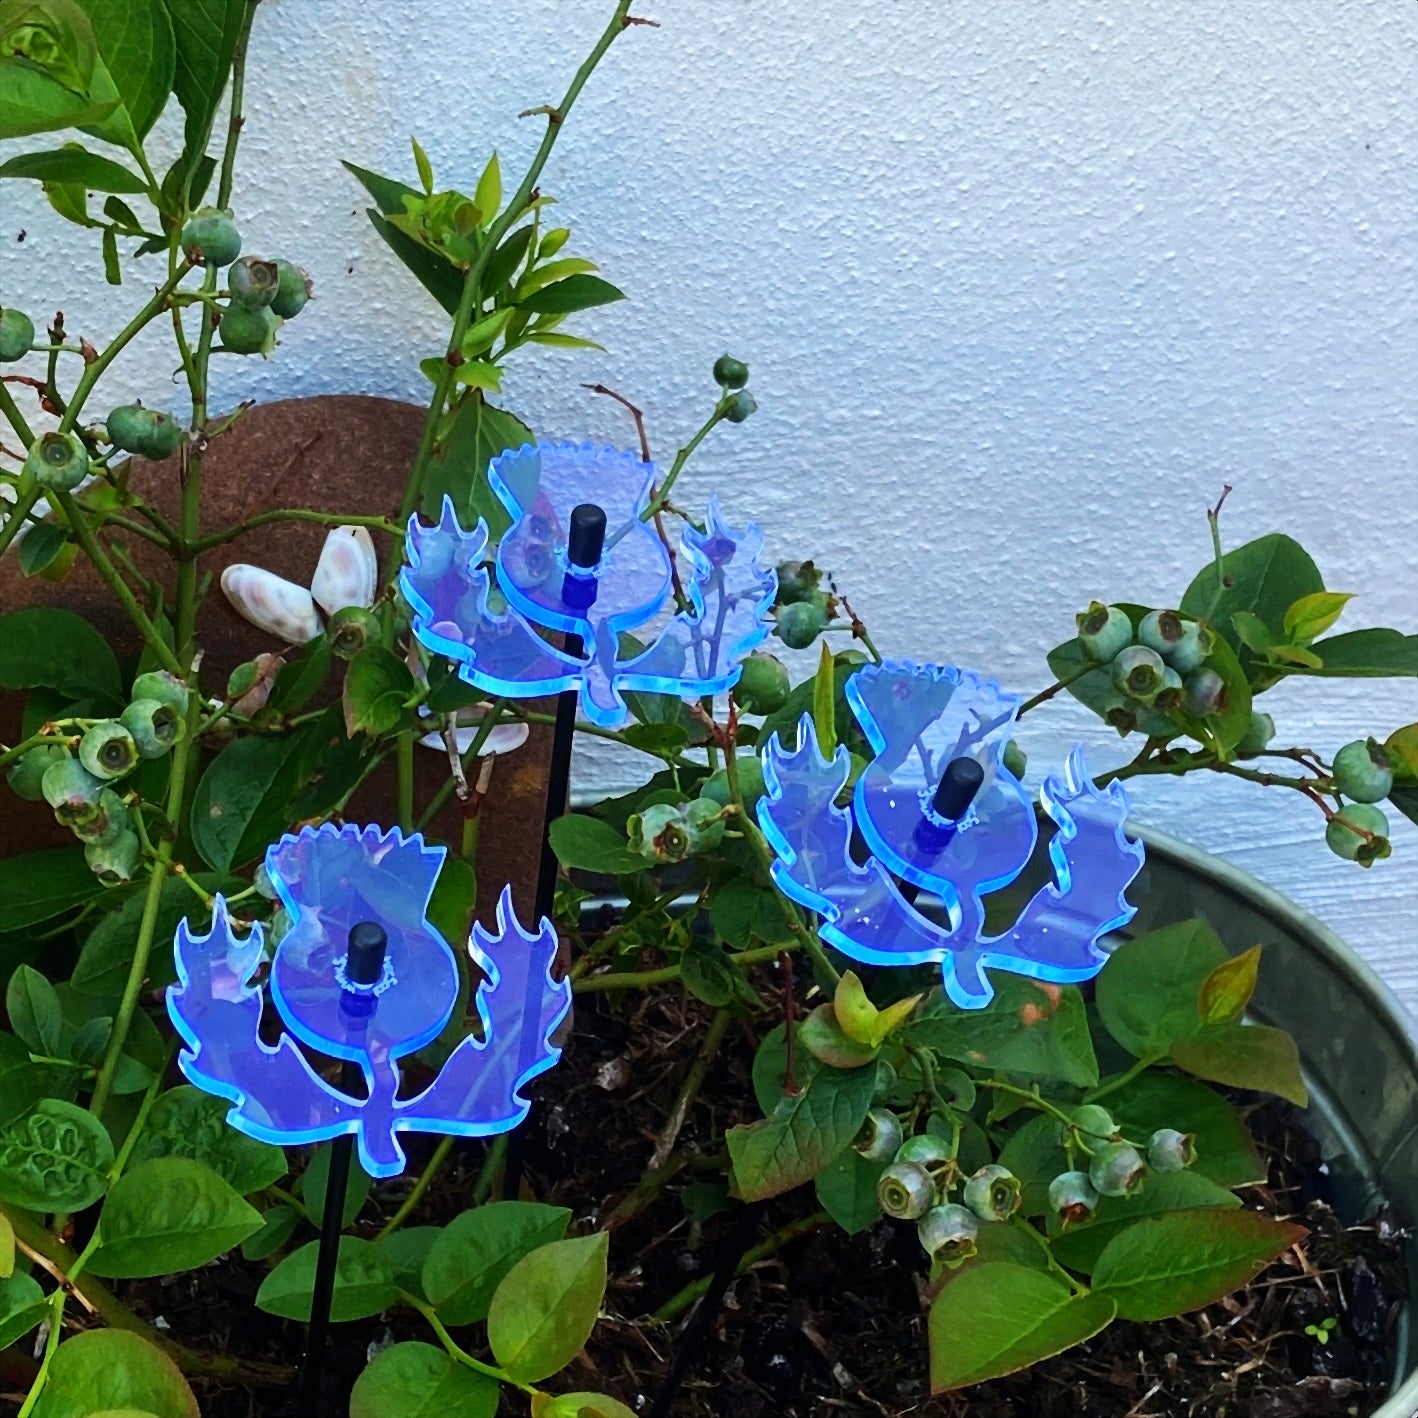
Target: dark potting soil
(828, 1325)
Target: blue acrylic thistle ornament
(333, 881)
(969, 831)
(614, 604)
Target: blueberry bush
(1064, 1157)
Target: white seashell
(272, 603)
(504, 738)
(348, 570)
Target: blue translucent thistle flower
(497, 624)
(329, 880)
(927, 723)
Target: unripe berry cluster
(1116, 1167)
(803, 607)
(76, 778)
(1362, 772)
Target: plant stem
(657, 504)
(603, 945)
(17, 514)
(1123, 1079)
(18, 421)
(642, 979)
(1057, 687)
(677, 1304)
(425, 1180)
(689, 1090)
(455, 1351)
(1029, 1096)
(292, 514)
(404, 763)
(137, 972)
(9, 755)
(471, 299)
(91, 547)
(489, 722)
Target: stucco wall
(1022, 286)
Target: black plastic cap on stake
(587, 535)
(364, 963)
(956, 790)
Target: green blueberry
(906, 1191)
(925, 1149)
(797, 581)
(879, 1136)
(800, 623)
(129, 426)
(1121, 711)
(155, 726)
(210, 238)
(730, 373)
(16, 335)
(1258, 735)
(107, 750)
(26, 774)
(1205, 693)
(1194, 646)
(763, 684)
(293, 290)
(253, 282)
(164, 687)
(1171, 1151)
(352, 628)
(704, 822)
(1072, 1196)
(660, 833)
(164, 435)
(715, 788)
(994, 1193)
(1138, 672)
(1117, 1169)
(1170, 696)
(58, 460)
(71, 791)
(1093, 1120)
(1344, 833)
(245, 330)
(1103, 631)
(1363, 772)
(1015, 759)
(739, 405)
(948, 1234)
(1161, 631)
(114, 862)
(110, 823)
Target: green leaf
(1029, 1028)
(1172, 1264)
(1148, 990)
(364, 1283)
(558, 340)
(1080, 1245)
(1035, 1154)
(112, 271)
(1228, 726)
(41, 645)
(1002, 1317)
(549, 272)
(36, 886)
(578, 1405)
(167, 1215)
(107, 954)
(476, 1250)
(54, 1158)
(804, 1132)
(110, 1369)
(593, 845)
(1227, 990)
(299, 681)
(22, 1306)
(846, 1191)
(475, 434)
(31, 101)
(186, 1122)
(1266, 577)
(1312, 615)
(1225, 1153)
(435, 273)
(546, 1306)
(824, 714)
(33, 1008)
(74, 165)
(418, 1381)
(742, 911)
(278, 1225)
(135, 40)
(378, 684)
(477, 373)
(22, 1083)
(481, 335)
(824, 1038)
(1253, 634)
(488, 196)
(1366, 654)
(421, 162)
(1245, 1056)
(503, 262)
(204, 32)
(7, 1251)
(242, 800)
(707, 974)
(572, 294)
(316, 1178)
(42, 543)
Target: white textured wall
(1021, 284)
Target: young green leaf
(378, 685)
(488, 196)
(1253, 1056)
(546, 1306)
(1227, 990)
(572, 294)
(1310, 616)
(425, 168)
(33, 1009)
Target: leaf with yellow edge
(1312, 615)
(1227, 990)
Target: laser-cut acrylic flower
(919, 719)
(495, 628)
(330, 879)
